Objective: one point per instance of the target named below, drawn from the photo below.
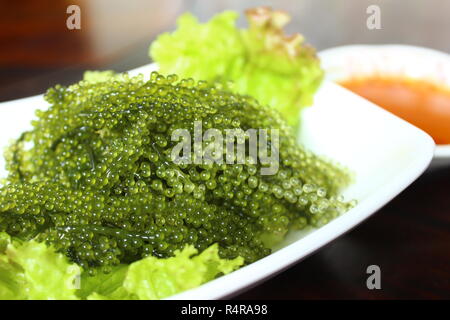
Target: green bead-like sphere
(94, 176)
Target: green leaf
(119, 294)
(153, 278)
(201, 51)
(11, 277)
(11, 281)
(5, 240)
(102, 284)
(34, 271)
(278, 70)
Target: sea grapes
(95, 179)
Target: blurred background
(408, 238)
(37, 50)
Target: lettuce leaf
(104, 285)
(11, 279)
(5, 240)
(34, 271)
(201, 51)
(276, 69)
(153, 278)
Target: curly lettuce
(153, 278)
(34, 271)
(261, 61)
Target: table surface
(409, 239)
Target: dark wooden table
(409, 239)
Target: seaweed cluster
(95, 177)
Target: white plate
(341, 63)
(385, 153)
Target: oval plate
(385, 153)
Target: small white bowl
(341, 63)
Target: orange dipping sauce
(422, 103)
